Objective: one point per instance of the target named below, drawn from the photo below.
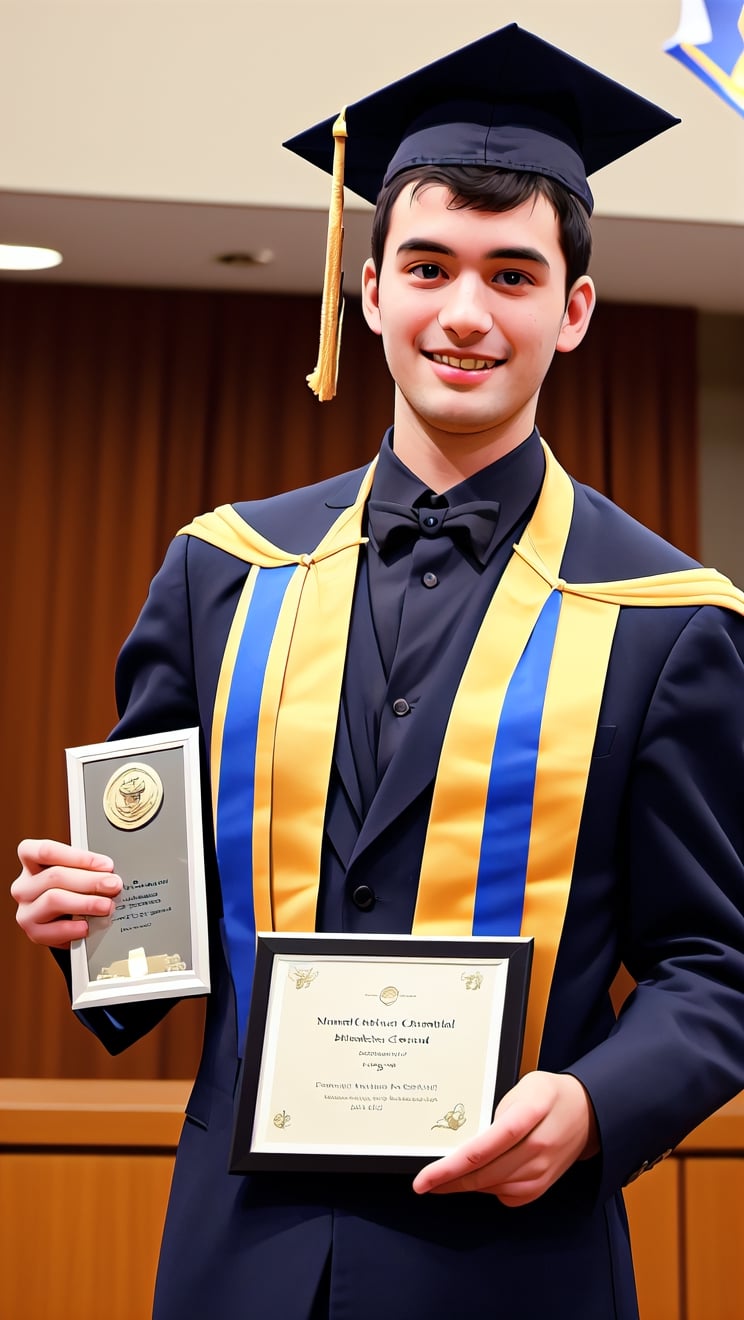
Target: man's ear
(371, 296)
(581, 303)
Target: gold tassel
(322, 380)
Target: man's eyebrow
(496, 254)
(518, 254)
(425, 245)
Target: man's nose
(465, 309)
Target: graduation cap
(508, 101)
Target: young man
(478, 745)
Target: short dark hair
(483, 188)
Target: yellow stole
(271, 768)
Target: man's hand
(59, 888)
(540, 1128)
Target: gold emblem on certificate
(453, 1119)
(302, 977)
(133, 796)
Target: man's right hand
(59, 888)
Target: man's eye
(512, 278)
(427, 270)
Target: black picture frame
(514, 954)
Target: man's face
(471, 307)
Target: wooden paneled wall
(85, 1168)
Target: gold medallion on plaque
(132, 796)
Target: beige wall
(721, 377)
(190, 99)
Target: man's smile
(463, 363)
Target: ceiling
(175, 245)
(143, 139)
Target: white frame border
(158, 985)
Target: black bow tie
(392, 524)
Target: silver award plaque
(376, 1053)
(138, 800)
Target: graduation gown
(658, 884)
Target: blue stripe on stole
(235, 802)
(502, 870)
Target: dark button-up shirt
(416, 613)
(417, 593)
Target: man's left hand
(540, 1128)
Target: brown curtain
(125, 412)
(621, 414)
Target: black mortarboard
(509, 100)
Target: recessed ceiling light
(13, 257)
(262, 257)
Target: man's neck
(443, 458)
(442, 461)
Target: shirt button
(363, 897)
(400, 706)
(430, 580)
(430, 521)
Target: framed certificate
(139, 801)
(376, 1053)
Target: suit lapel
(298, 520)
(413, 767)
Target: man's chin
(465, 422)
